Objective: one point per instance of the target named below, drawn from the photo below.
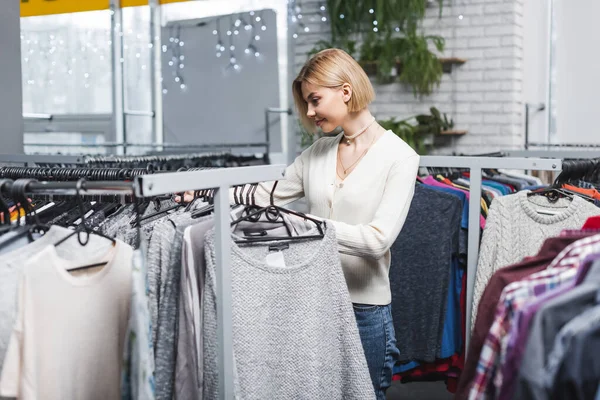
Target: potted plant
(385, 36)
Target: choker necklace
(349, 139)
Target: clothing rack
(167, 183)
(112, 146)
(39, 159)
(72, 174)
(476, 165)
(562, 154)
(221, 180)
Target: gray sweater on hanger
(294, 331)
(517, 226)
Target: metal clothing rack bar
(40, 159)
(566, 145)
(87, 188)
(220, 179)
(476, 165)
(562, 154)
(151, 145)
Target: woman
(362, 183)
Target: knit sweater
(294, 331)
(367, 209)
(515, 229)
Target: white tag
(547, 212)
(275, 260)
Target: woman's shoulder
(398, 147)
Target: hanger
(18, 194)
(273, 213)
(4, 209)
(84, 228)
(158, 213)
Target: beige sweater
(367, 209)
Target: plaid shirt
(513, 298)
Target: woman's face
(326, 106)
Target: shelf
(449, 62)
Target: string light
(323, 12)
(174, 50)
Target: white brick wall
(483, 96)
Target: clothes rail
(476, 165)
(562, 154)
(220, 179)
(71, 174)
(167, 183)
(566, 145)
(27, 159)
(152, 158)
(70, 188)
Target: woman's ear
(346, 92)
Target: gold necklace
(357, 160)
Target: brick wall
(483, 96)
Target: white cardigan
(367, 209)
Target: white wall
(483, 96)
(577, 56)
(11, 100)
(536, 58)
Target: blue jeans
(379, 342)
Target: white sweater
(367, 209)
(516, 229)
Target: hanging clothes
(502, 278)
(537, 307)
(11, 266)
(420, 275)
(517, 226)
(286, 290)
(70, 320)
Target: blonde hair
(331, 68)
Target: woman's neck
(357, 122)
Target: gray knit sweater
(515, 229)
(294, 331)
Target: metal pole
(292, 140)
(267, 134)
(156, 72)
(118, 87)
(224, 296)
(287, 111)
(526, 126)
(550, 63)
(473, 243)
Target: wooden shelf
(453, 133)
(449, 62)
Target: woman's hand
(187, 197)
